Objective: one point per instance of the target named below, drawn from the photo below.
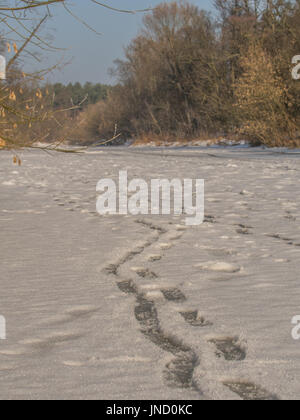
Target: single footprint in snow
(249, 391)
(229, 348)
(180, 371)
(173, 294)
(127, 286)
(193, 318)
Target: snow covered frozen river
(144, 307)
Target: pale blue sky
(93, 55)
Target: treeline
(31, 112)
(69, 104)
(190, 74)
(77, 94)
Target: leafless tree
(22, 104)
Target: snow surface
(123, 307)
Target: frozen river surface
(143, 307)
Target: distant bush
(262, 101)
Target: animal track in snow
(288, 241)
